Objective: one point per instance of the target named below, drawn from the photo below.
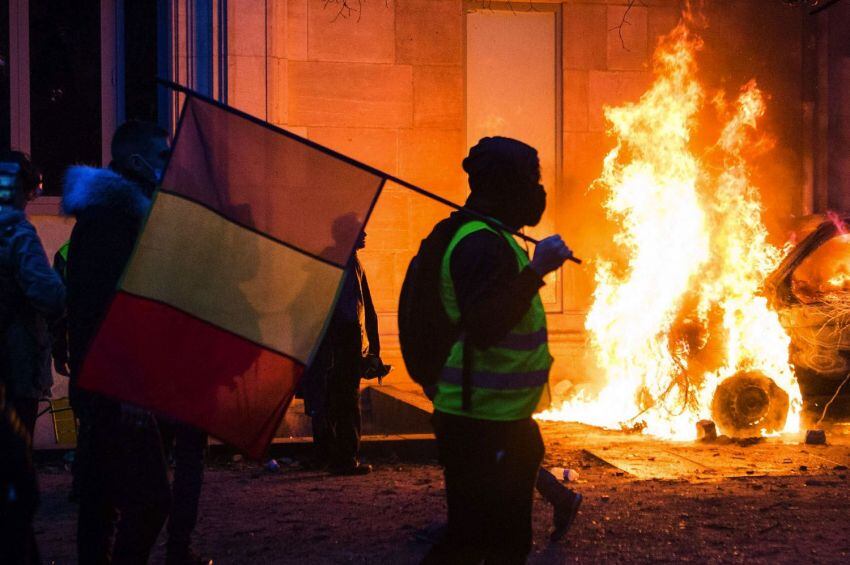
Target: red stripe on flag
(155, 356)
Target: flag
(234, 276)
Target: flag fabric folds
(234, 276)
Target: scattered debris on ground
(763, 503)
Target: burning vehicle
(811, 292)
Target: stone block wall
(384, 86)
(838, 136)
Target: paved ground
(646, 502)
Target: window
(65, 91)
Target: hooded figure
(109, 210)
(30, 294)
(504, 181)
(120, 468)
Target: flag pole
(377, 172)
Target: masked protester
(30, 294)
(121, 471)
(496, 373)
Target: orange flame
(682, 310)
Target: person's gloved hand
(372, 367)
(550, 254)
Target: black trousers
(124, 491)
(332, 398)
(187, 445)
(490, 471)
(339, 424)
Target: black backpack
(425, 331)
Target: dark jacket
(492, 295)
(31, 293)
(352, 335)
(354, 320)
(110, 210)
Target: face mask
(156, 172)
(531, 207)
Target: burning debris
(680, 327)
(706, 431)
(811, 292)
(816, 437)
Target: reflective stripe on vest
(510, 378)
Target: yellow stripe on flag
(209, 267)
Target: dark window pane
(64, 87)
(140, 59)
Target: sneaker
(564, 515)
(352, 470)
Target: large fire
(681, 310)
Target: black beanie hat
(495, 165)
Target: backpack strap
(458, 222)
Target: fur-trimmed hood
(86, 187)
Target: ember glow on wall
(511, 90)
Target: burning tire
(747, 403)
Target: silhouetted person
(121, 470)
(496, 373)
(350, 349)
(30, 294)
